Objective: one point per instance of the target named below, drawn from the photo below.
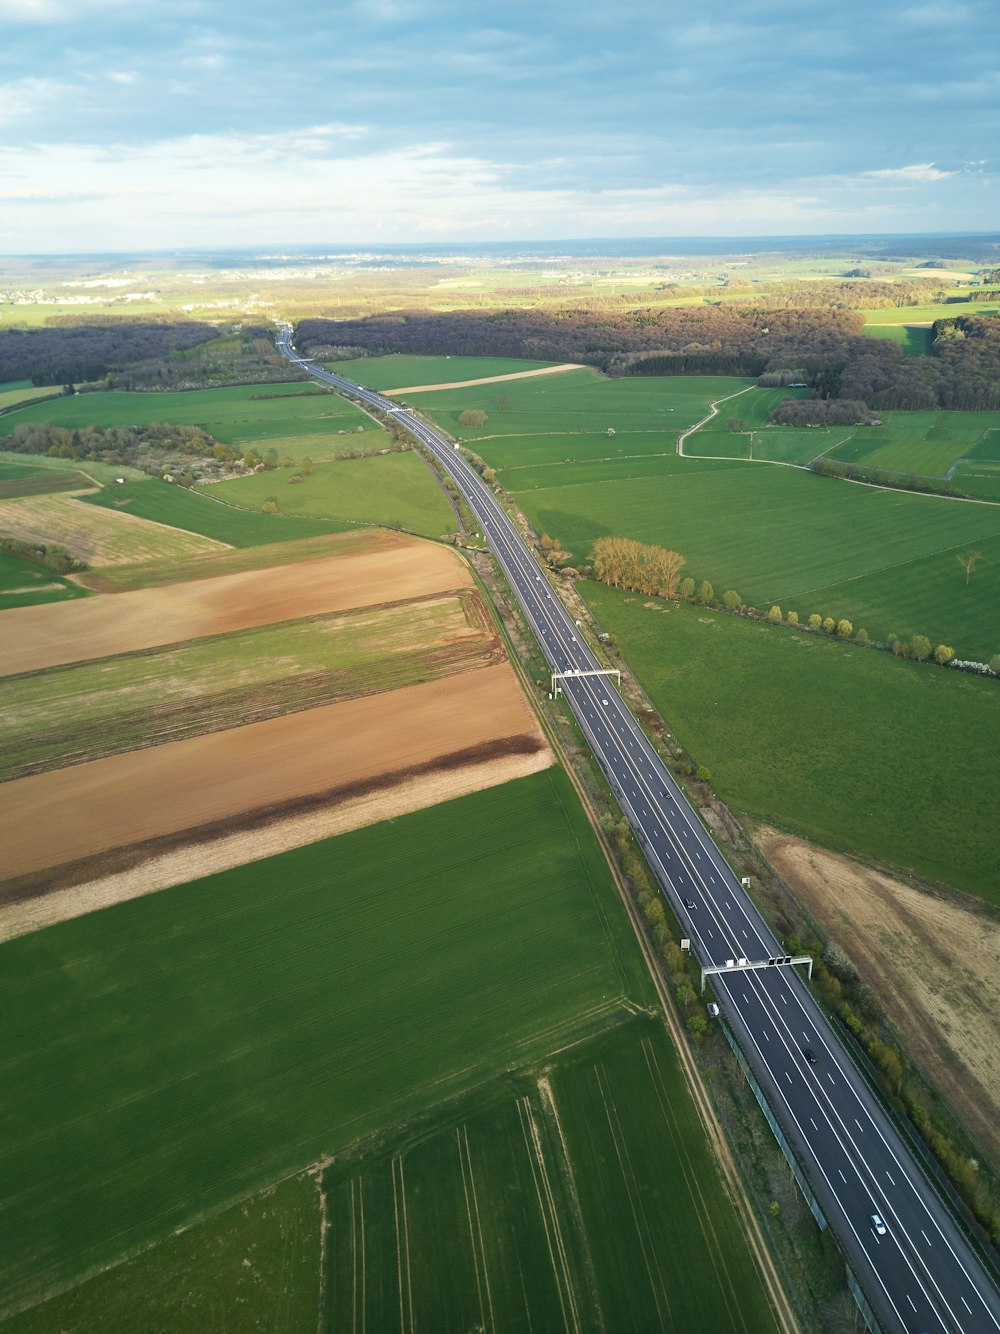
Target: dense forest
(684, 340)
(70, 353)
(825, 347)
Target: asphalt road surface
(917, 1270)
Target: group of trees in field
(70, 352)
(823, 412)
(47, 554)
(622, 562)
(245, 356)
(625, 563)
(113, 444)
(472, 418)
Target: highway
(919, 1274)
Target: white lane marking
(965, 1304)
(859, 1125)
(925, 1236)
(841, 1175)
(891, 1182)
(784, 1001)
(788, 1076)
(829, 1077)
(910, 1300)
(814, 1125)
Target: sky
(166, 124)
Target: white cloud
(22, 100)
(56, 11)
(918, 173)
(324, 183)
(941, 14)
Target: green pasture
(25, 584)
(587, 1202)
(66, 715)
(979, 479)
(914, 339)
(948, 310)
(13, 395)
(40, 464)
(170, 1054)
(164, 502)
(847, 746)
(396, 490)
(543, 476)
(254, 1268)
(926, 443)
(583, 402)
(297, 419)
(884, 559)
(400, 371)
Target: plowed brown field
(44, 636)
(71, 825)
(933, 962)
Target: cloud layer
(162, 123)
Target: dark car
(810, 1055)
(689, 903)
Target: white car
(878, 1225)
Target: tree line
(70, 353)
(113, 444)
(622, 562)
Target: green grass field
(166, 503)
(980, 480)
(206, 1040)
(885, 560)
(400, 371)
(915, 339)
(927, 314)
(25, 584)
(67, 715)
(581, 402)
(296, 419)
(580, 1200)
(13, 395)
(396, 490)
(921, 442)
(847, 746)
(255, 1269)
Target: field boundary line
(619, 1139)
(692, 1181)
(561, 1268)
(548, 1104)
(475, 1231)
(323, 1229)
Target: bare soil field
(98, 627)
(98, 537)
(120, 812)
(933, 962)
(488, 379)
